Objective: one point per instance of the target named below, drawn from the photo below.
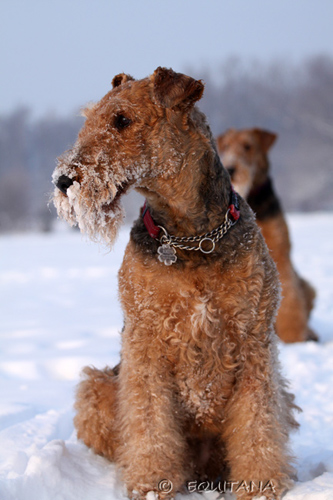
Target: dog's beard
(95, 207)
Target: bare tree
(296, 102)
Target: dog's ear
(120, 79)
(173, 89)
(85, 112)
(220, 140)
(266, 139)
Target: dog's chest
(201, 355)
(179, 320)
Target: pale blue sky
(56, 55)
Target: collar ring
(211, 249)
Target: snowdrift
(60, 312)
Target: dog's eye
(121, 122)
(247, 146)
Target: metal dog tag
(167, 254)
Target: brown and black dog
(198, 392)
(244, 153)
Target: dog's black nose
(63, 183)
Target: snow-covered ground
(60, 312)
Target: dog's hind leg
(95, 404)
(297, 301)
(309, 295)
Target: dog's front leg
(255, 432)
(151, 451)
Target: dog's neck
(195, 203)
(263, 201)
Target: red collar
(151, 227)
(154, 230)
(234, 204)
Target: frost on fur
(93, 204)
(198, 355)
(128, 140)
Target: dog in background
(198, 393)
(244, 153)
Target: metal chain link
(213, 236)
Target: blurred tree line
(28, 152)
(296, 102)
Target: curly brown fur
(96, 401)
(198, 392)
(244, 153)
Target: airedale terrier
(198, 394)
(244, 153)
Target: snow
(60, 312)
(102, 216)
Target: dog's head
(136, 134)
(244, 154)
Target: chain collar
(167, 252)
(212, 237)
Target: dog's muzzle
(63, 183)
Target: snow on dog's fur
(198, 393)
